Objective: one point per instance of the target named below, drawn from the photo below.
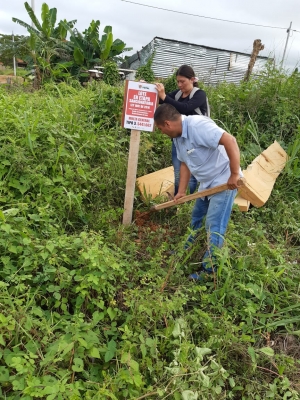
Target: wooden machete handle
(203, 193)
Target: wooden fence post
(257, 47)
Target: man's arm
(233, 152)
(184, 181)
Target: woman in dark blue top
(186, 81)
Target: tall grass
(94, 310)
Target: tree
(10, 48)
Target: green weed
(90, 309)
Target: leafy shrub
(145, 72)
(170, 83)
(111, 74)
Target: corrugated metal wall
(210, 65)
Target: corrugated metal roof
(205, 47)
(210, 64)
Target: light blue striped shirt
(198, 147)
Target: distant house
(211, 65)
(21, 63)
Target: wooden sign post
(140, 100)
(131, 175)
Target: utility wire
(203, 16)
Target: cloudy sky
(137, 25)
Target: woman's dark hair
(187, 72)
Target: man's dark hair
(166, 112)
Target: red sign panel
(140, 105)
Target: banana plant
(84, 44)
(106, 43)
(110, 48)
(89, 49)
(45, 29)
(46, 39)
(48, 42)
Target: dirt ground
(3, 78)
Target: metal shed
(211, 65)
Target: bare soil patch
(3, 78)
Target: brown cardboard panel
(261, 174)
(259, 185)
(272, 160)
(157, 183)
(242, 203)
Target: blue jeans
(176, 164)
(217, 211)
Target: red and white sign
(140, 103)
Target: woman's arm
(187, 107)
(163, 95)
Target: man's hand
(178, 196)
(233, 181)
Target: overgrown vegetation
(145, 72)
(53, 55)
(111, 74)
(7, 45)
(93, 310)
